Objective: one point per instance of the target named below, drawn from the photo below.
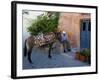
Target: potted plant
(88, 56)
(77, 56)
(83, 56)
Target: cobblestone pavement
(59, 59)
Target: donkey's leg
(50, 48)
(29, 55)
(25, 49)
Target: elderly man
(64, 40)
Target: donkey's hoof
(30, 62)
(49, 57)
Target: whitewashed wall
(28, 17)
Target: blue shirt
(64, 37)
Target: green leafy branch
(44, 23)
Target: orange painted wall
(70, 22)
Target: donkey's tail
(25, 49)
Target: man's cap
(63, 32)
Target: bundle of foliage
(86, 52)
(44, 23)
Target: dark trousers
(66, 46)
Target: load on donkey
(43, 31)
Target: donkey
(32, 41)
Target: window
(84, 26)
(89, 26)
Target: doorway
(85, 34)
